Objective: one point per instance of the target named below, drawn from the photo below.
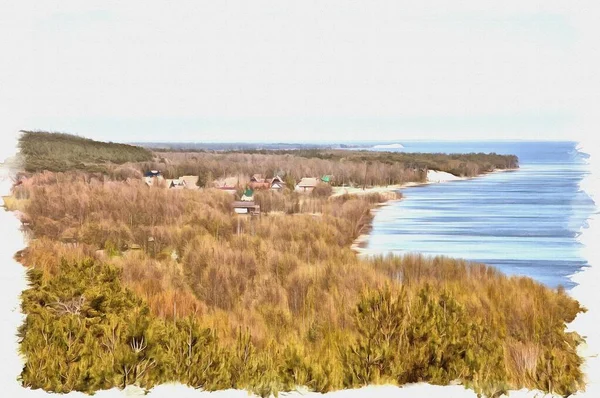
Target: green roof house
(248, 195)
(327, 179)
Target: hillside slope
(62, 152)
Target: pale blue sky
(289, 71)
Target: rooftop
(308, 182)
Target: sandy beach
(433, 177)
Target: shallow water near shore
(524, 222)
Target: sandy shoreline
(433, 177)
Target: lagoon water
(524, 222)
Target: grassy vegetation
(62, 152)
(268, 303)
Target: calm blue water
(524, 222)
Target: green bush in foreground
(85, 332)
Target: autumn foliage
(131, 284)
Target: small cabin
(277, 186)
(248, 195)
(152, 173)
(242, 207)
(327, 179)
(277, 183)
(307, 184)
(258, 181)
(153, 178)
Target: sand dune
(441, 176)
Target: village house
(248, 195)
(243, 207)
(257, 181)
(277, 184)
(153, 178)
(307, 184)
(327, 179)
(228, 184)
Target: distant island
(234, 269)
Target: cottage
(152, 173)
(248, 195)
(242, 207)
(327, 179)
(153, 178)
(277, 186)
(257, 181)
(307, 184)
(277, 183)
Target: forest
(64, 152)
(61, 152)
(131, 284)
(346, 166)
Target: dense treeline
(347, 167)
(268, 303)
(439, 161)
(62, 152)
